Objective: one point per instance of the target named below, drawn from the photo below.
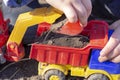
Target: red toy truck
(55, 62)
(97, 32)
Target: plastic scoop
(71, 29)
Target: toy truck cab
(55, 62)
(108, 69)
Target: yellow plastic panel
(92, 71)
(77, 71)
(31, 18)
(115, 76)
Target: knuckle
(83, 17)
(116, 40)
(89, 9)
(116, 50)
(73, 1)
(102, 52)
(83, 14)
(72, 18)
(116, 59)
(67, 1)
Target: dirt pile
(51, 37)
(57, 39)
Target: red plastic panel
(3, 30)
(71, 29)
(59, 55)
(98, 34)
(42, 27)
(14, 52)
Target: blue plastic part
(110, 67)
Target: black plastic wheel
(54, 75)
(98, 77)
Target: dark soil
(20, 70)
(51, 37)
(57, 39)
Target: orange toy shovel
(71, 29)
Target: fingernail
(100, 59)
(80, 24)
(84, 24)
(102, 54)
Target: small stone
(50, 42)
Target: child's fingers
(66, 7)
(88, 6)
(81, 11)
(107, 49)
(74, 9)
(112, 46)
(70, 13)
(116, 59)
(114, 25)
(56, 3)
(112, 43)
(113, 54)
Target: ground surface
(27, 69)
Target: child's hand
(112, 49)
(74, 9)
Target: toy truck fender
(52, 67)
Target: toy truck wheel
(98, 77)
(54, 75)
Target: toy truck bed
(97, 31)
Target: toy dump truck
(56, 62)
(72, 56)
